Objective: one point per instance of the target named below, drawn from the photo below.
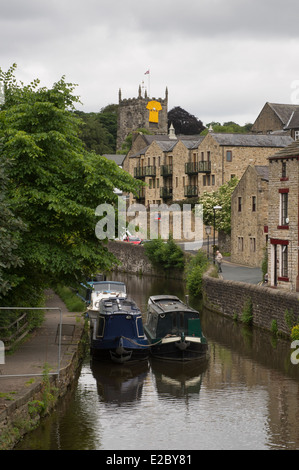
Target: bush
(247, 313)
(71, 300)
(195, 271)
(295, 333)
(165, 255)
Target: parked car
(134, 240)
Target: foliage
(274, 327)
(194, 272)
(289, 318)
(99, 130)
(295, 333)
(221, 197)
(183, 122)
(228, 127)
(10, 231)
(71, 300)
(54, 186)
(247, 313)
(165, 255)
(265, 263)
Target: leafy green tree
(99, 130)
(54, 184)
(10, 230)
(228, 127)
(222, 198)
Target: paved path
(42, 347)
(235, 272)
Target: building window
(150, 184)
(284, 261)
(213, 180)
(229, 155)
(240, 244)
(284, 199)
(253, 203)
(252, 245)
(209, 155)
(176, 181)
(283, 170)
(204, 180)
(239, 204)
(296, 135)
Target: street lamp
(215, 208)
(208, 230)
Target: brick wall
(229, 298)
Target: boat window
(101, 327)
(139, 327)
(174, 323)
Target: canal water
(245, 398)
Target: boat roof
(119, 306)
(102, 285)
(169, 303)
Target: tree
(228, 127)
(183, 122)
(222, 198)
(54, 184)
(99, 130)
(10, 230)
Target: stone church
(141, 113)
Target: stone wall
(133, 260)
(229, 298)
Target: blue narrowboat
(116, 331)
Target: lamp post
(215, 208)
(208, 230)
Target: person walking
(218, 261)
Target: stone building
(249, 217)
(274, 118)
(184, 167)
(283, 219)
(141, 113)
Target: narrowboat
(116, 331)
(173, 330)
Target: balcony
(191, 191)
(166, 170)
(192, 168)
(140, 195)
(143, 171)
(166, 192)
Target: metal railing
(192, 168)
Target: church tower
(141, 113)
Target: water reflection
(178, 380)
(121, 384)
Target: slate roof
(118, 159)
(293, 121)
(263, 171)
(290, 151)
(252, 140)
(283, 111)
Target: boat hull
(118, 353)
(173, 349)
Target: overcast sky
(221, 60)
